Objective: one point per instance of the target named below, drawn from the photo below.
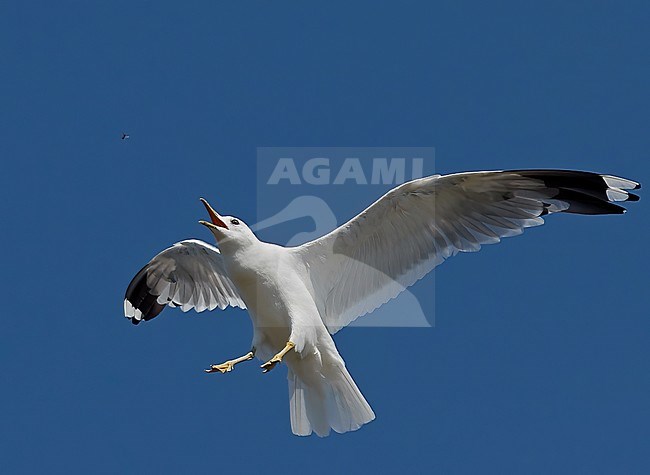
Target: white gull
(297, 297)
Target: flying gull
(297, 297)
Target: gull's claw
(222, 368)
(228, 366)
(269, 365)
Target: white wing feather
(190, 275)
(416, 226)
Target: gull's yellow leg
(269, 365)
(230, 364)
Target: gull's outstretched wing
(417, 225)
(190, 274)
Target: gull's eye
(234, 221)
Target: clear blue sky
(538, 362)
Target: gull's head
(230, 232)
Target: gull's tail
(323, 396)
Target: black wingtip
(138, 294)
(583, 192)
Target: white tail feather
(325, 399)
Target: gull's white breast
(272, 282)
